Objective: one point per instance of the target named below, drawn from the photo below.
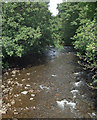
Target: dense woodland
(30, 27)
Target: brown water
(54, 86)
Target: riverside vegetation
(31, 28)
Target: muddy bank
(52, 86)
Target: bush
(25, 27)
(86, 43)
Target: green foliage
(5, 65)
(86, 37)
(55, 30)
(86, 43)
(94, 84)
(25, 27)
(78, 25)
(68, 14)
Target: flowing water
(53, 86)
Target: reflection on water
(53, 86)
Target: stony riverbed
(53, 88)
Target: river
(52, 86)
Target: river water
(53, 86)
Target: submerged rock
(77, 84)
(74, 91)
(53, 75)
(44, 87)
(64, 102)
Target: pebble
(9, 82)
(24, 92)
(23, 79)
(5, 91)
(20, 85)
(53, 75)
(74, 91)
(93, 114)
(78, 83)
(27, 108)
(10, 93)
(31, 98)
(34, 107)
(9, 105)
(28, 85)
(15, 113)
(16, 83)
(3, 112)
(13, 75)
(9, 69)
(2, 86)
(32, 95)
(31, 90)
(28, 73)
(78, 73)
(6, 73)
(28, 78)
(13, 102)
(13, 72)
(15, 110)
(16, 95)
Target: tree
(25, 27)
(86, 38)
(55, 31)
(86, 35)
(68, 14)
